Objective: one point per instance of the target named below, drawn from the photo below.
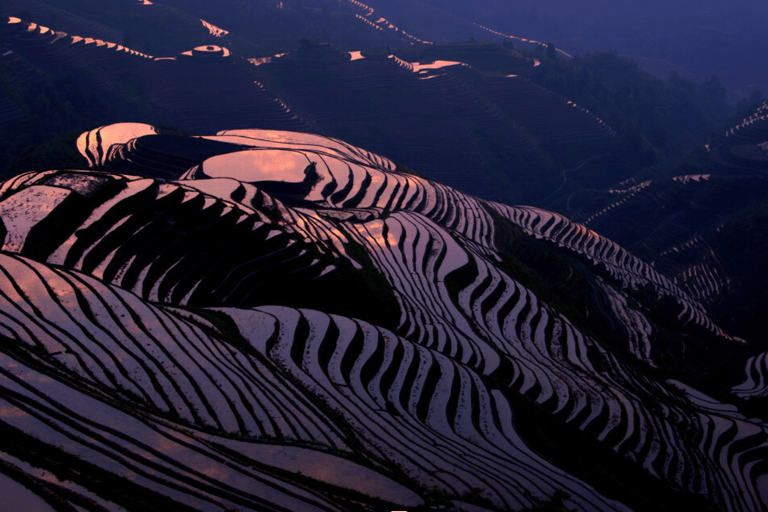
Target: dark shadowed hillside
(487, 347)
(314, 255)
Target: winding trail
(565, 174)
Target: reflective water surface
(258, 165)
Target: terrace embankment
(494, 122)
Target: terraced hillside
(704, 232)
(753, 129)
(170, 26)
(202, 88)
(744, 147)
(517, 137)
(700, 222)
(152, 27)
(293, 303)
(503, 127)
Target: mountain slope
(292, 288)
(699, 221)
(504, 127)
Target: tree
(551, 51)
(714, 91)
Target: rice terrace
(317, 255)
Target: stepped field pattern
(148, 337)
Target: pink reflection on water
(11, 412)
(264, 60)
(523, 39)
(438, 64)
(375, 232)
(208, 51)
(214, 30)
(119, 133)
(382, 21)
(258, 165)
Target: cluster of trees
(56, 111)
(656, 120)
